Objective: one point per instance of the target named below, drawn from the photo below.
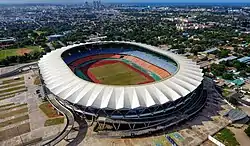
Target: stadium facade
(170, 91)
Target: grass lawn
(226, 93)
(54, 121)
(37, 81)
(7, 52)
(13, 121)
(12, 80)
(48, 110)
(11, 85)
(6, 105)
(12, 89)
(56, 44)
(13, 113)
(15, 131)
(6, 97)
(116, 74)
(12, 107)
(226, 137)
(34, 48)
(10, 95)
(13, 52)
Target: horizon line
(127, 2)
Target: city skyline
(124, 1)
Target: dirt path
(22, 51)
(240, 136)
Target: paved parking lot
(36, 117)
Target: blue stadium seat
(162, 63)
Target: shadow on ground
(82, 131)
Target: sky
(130, 1)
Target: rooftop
(64, 83)
(244, 59)
(210, 50)
(226, 59)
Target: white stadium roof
(62, 82)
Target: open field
(12, 107)
(7, 81)
(23, 51)
(11, 85)
(18, 51)
(48, 110)
(12, 89)
(6, 105)
(226, 137)
(13, 113)
(15, 131)
(16, 116)
(54, 121)
(6, 96)
(12, 94)
(22, 122)
(13, 121)
(117, 73)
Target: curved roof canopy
(62, 82)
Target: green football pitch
(14, 52)
(117, 74)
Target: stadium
(125, 87)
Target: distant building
(185, 34)
(211, 57)
(97, 4)
(245, 59)
(236, 114)
(238, 82)
(210, 50)
(4, 42)
(204, 64)
(220, 82)
(95, 38)
(54, 37)
(86, 4)
(10, 39)
(226, 59)
(231, 69)
(228, 48)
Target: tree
(248, 69)
(218, 69)
(243, 73)
(181, 51)
(223, 53)
(233, 101)
(247, 131)
(238, 65)
(227, 76)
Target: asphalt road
(18, 70)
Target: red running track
(105, 62)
